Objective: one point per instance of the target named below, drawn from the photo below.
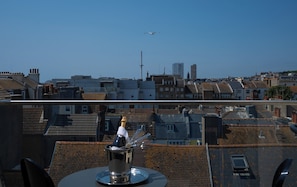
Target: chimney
(211, 129)
(294, 117)
(34, 75)
(185, 114)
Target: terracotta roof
(207, 86)
(160, 78)
(69, 157)
(4, 94)
(138, 117)
(33, 122)
(215, 87)
(182, 165)
(94, 96)
(249, 84)
(245, 134)
(188, 165)
(248, 135)
(224, 87)
(260, 84)
(75, 125)
(255, 84)
(9, 84)
(220, 87)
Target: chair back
(34, 175)
(281, 173)
(2, 181)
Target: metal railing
(160, 102)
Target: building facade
(193, 72)
(178, 69)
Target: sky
(104, 38)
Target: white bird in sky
(150, 33)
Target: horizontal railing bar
(160, 102)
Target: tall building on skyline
(193, 71)
(178, 69)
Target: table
(87, 178)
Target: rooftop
(263, 142)
(33, 122)
(70, 157)
(75, 124)
(262, 159)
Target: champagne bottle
(122, 134)
(119, 141)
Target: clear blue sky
(104, 37)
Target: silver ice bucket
(119, 164)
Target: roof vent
(261, 136)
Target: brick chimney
(294, 117)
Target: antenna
(141, 65)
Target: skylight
(239, 164)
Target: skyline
(99, 38)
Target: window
(84, 109)
(170, 128)
(107, 123)
(240, 165)
(67, 108)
